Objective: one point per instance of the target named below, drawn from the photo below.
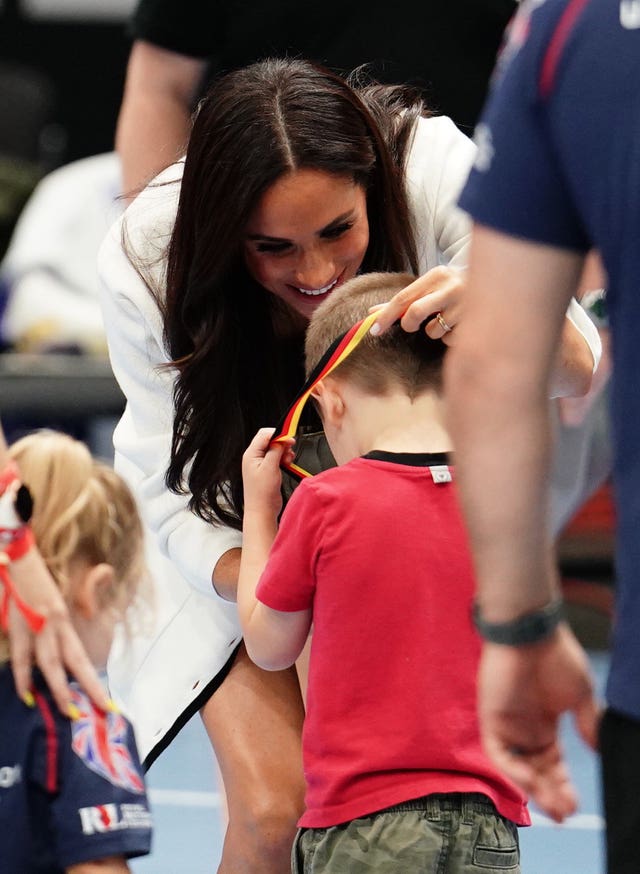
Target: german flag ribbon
(19, 547)
(340, 349)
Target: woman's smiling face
(308, 234)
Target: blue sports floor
(189, 819)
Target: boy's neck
(396, 423)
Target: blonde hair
(412, 361)
(83, 511)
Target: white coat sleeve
(437, 167)
(581, 321)
(142, 438)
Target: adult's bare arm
(572, 373)
(497, 380)
(155, 115)
(225, 574)
(573, 409)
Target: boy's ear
(93, 591)
(328, 396)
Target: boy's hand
(261, 475)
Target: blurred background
(62, 69)
(62, 72)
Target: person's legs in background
(254, 722)
(620, 753)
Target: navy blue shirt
(70, 792)
(559, 163)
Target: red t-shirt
(377, 548)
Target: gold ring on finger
(440, 320)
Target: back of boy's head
(83, 511)
(397, 359)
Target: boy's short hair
(397, 358)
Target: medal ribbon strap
(340, 349)
(18, 548)
(16, 539)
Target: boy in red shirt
(374, 553)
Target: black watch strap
(529, 628)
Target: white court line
(582, 821)
(184, 798)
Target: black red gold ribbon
(15, 542)
(19, 547)
(341, 347)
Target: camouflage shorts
(456, 834)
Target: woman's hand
(438, 293)
(572, 375)
(56, 649)
(574, 410)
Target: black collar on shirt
(413, 459)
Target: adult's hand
(56, 649)
(438, 291)
(573, 410)
(522, 692)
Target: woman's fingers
(58, 653)
(72, 659)
(437, 292)
(56, 649)
(22, 653)
(441, 326)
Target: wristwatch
(529, 628)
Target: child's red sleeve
(289, 579)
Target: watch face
(24, 504)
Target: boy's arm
(274, 639)
(112, 865)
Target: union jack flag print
(100, 741)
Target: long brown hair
(235, 372)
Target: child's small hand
(261, 472)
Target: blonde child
(72, 794)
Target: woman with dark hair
(294, 181)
